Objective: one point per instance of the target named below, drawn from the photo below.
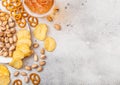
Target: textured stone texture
(88, 47)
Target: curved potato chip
(23, 34)
(4, 80)
(4, 71)
(50, 44)
(24, 41)
(4, 75)
(40, 31)
(16, 63)
(18, 55)
(25, 49)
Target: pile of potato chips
(22, 48)
(4, 75)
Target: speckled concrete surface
(88, 47)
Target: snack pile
(18, 43)
(17, 11)
(22, 48)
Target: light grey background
(88, 47)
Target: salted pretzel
(18, 16)
(35, 78)
(15, 3)
(4, 3)
(17, 82)
(33, 21)
(25, 14)
(21, 22)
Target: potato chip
(4, 80)
(24, 41)
(4, 75)
(18, 55)
(25, 49)
(21, 34)
(16, 63)
(4, 71)
(40, 31)
(50, 44)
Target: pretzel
(15, 3)
(17, 82)
(2, 14)
(20, 8)
(18, 16)
(33, 21)
(35, 78)
(21, 22)
(25, 14)
(9, 7)
(4, 3)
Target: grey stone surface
(88, 47)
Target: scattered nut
(10, 53)
(7, 45)
(11, 40)
(6, 40)
(49, 18)
(12, 48)
(9, 35)
(1, 34)
(42, 56)
(15, 38)
(4, 23)
(5, 54)
(23, 73)
(39, 69)
(42, 51)
(56, 9)
(35, 57)
(11, 24)
(42, 63)
(26, 79)
(7, 26)
(13, 30)
(2, 28)
(16, 73)
(35, 45)
(57, 26)
(34, 66)
(28, 68)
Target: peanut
(2, 28)
(11, 40)
(42, 56)
(34, 66)
(35, 45)
(4, 23)
(39, 69)
(28, 68)
(26, 79)
(16, 73)
(42, 63)
(42, 51)
(23, 73)
(1, 34)
(12, 48)
(5, 54)
(57, 27)
(35, 57)
(11, 24)
(49, 18)
(15, 38)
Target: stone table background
(88, 47)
